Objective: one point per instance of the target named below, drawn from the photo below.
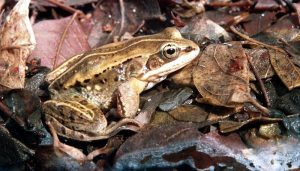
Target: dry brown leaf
(53, 46)
(261, 60)
(204, 29)
(285, 69)
(16, 44)
(189, 113)
(222, 76)
(114, 18)
(227, 126)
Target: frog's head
(173, 53)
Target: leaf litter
(221, 78)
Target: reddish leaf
(50, 33)
(121, 17)
(259, 22)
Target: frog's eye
(170, 51)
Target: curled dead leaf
(222, 76)
(285, 69)
(261, 60)
(16, 44)
(230, 126)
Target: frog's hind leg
(131, 124)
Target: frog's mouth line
(170, 67)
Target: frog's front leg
(128, 97)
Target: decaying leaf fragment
(227, 126)
(285, 69)
(222, 76)
(261, 60)
(16, 44)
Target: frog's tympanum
(111, 76)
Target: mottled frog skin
(112, 76)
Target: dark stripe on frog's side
(94, 60)
(102, 88)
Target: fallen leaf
(127, 16)
(151, 101)
(174, 98)
(289, 103)
(77, 2)
(258, 22)
(221, 77)
(189, 113)
(261, 61)
(160, 118)
(285, 69)
(204, 29)
(42, 3)
(16, 44)
(230, 126)
(220, 17)
(53, 47)
(171, 145)
(266, 4)
(187, 9)
(26, 107)
(12, 150)
(145, 149)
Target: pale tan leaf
(17, 42)
(261, 61)
(222, 75)
(285, 69)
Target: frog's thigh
(76, 115)
(128, 100)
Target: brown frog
(112, 76)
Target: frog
(88, 85)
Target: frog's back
(85, 67)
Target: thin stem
(260, 82)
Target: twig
(287, 44)
(66, 8)
(261, 84)
(122, 10)
(265, 110)
(9, 114)
(63, 38)
(231, 4)
(232, 28)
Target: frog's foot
(72, 151)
